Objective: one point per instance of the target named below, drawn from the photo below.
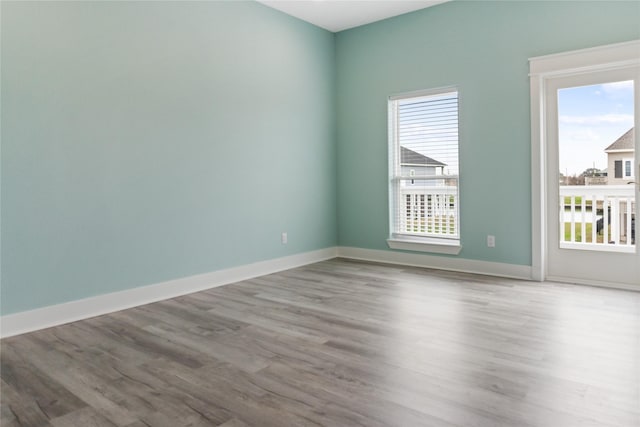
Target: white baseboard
(46, 317)
(441, 263)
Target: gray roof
(410, 157)
(625, 142)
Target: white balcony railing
(429, 211)
(597, 217)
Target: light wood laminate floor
(340, 343)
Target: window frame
(433, 244)
(628, 161)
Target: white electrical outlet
(285, 239)
(491, 241)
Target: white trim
(599, 58)
(488, 268)
(621, 150)
(424, 93)
(435, 245)
(579, 246)
(54, 315)
(422, 177)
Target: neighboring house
(620, 159)
(416, 164)
(620, 156)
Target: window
(623, 168)
(423, 167)
(628, 169)
(617, 168)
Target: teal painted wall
(148, 141)
(483, 48)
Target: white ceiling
(338, 15)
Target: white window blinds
(423, 140)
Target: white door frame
(541, 69)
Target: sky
(590, 118)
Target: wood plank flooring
(339, 343)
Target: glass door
(592, 178)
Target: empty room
(319, 213)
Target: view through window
(596, 157)
(424, 166)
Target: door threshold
(596, 283)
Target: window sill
(438, 246)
